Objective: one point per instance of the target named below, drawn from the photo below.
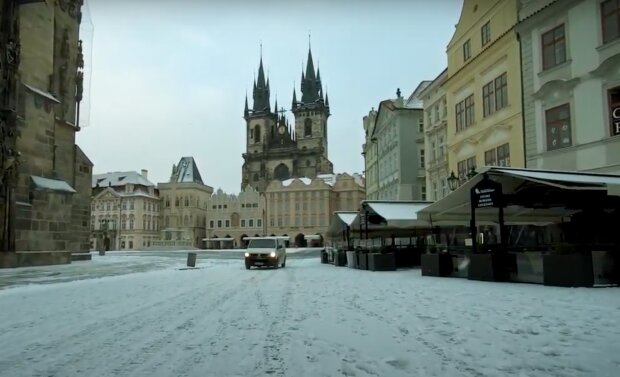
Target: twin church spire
(311, 91)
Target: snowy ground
(154, 318)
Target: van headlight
(247, 255)
(272, 254)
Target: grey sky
(169, 77)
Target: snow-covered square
(146, 315)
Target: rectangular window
(130, 224)
(614, 110)
(469, 111)
(219, 223)
(557, 121)
(122, 244)
(272, 222)
(488, 99)
(490, 157)
(460, 116)
(610, 20)
(251, 223)
(259, 223)
(501, 91)
(485, 33)
(465, 167)
(466, 50)
(279, 221)
(131, 204)
(422, 158)
(434, 190)
(211, 224)
(131, 244)
(243, 223)
(554, 47)
(503, 155)
(423, 192)
(227, 223)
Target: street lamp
(472, 173)
(453, 181)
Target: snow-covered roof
(330, 179)
(415, 99)
(42, 93)
(186, 172)
(51, 184)
(304, 180)
(120, 178)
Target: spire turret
(261, 90)
(246, 111)
(310, 84)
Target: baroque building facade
(185, 199)
(231, 218)
(571, 82)
(53, 189)
(483, 88)
(124, 211)
(277, 150)
(396, 154)
(301, 208)
(369, 153)
(435, 137)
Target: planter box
(436, 264)
(351, 259)
(382, 262)
(323, 256)
(362, 261)
(488, 267)
(529, 268)
(460, 266)
(340, 259)
(572, 270)
(407, 258)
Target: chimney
(144, 173)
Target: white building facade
(571, 82)
(435, 138)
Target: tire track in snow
(446, 361)
(273, 362)
(99, 343)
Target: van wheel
(284, 263)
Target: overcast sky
(168, 78)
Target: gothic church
(277, 150)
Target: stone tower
(274, 149)
(311, 115)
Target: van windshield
(262, 243)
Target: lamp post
(453, 181)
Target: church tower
(277, 150)
(311, 115)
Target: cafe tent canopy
(393, 217)
(534, 197)
(340, 221)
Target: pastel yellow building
(483, 88)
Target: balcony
(437, 162)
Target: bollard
(191, 259)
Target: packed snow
(148, 315)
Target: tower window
(308, 127)
(257, 134)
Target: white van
(265, 252)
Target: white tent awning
(347, 217)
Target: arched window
(257, 134)
(186, 201)
(176, 201)
(308, 127)
(281, 172)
